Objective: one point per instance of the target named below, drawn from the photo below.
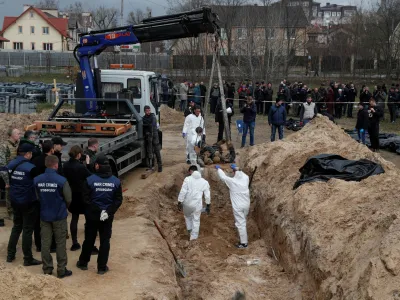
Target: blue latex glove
(233, 166)
(183, 134)
(362, 130)
(218, 167)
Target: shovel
(179, 264)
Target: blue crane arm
(175, 26)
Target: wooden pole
(209, 85)
(223, 102)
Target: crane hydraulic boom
(175, 26)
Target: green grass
(37, 77)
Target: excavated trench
(334, 240)
(215, 268)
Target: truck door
(137, 87)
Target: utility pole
(122, 24)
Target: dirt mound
(340, 239)
(8, 121)
(171, 116)
(20, 284)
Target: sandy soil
(306, 234)
(339, 239)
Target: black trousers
(24, 221)
(259, 104)
(104, 228)
(374, 137)
(213, 104)
(267, 106)
(338, 110)
(350, 109)
(393, 112)
(221, 127)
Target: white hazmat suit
(189, 128)
(240, 198)
(191, 197)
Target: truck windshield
(135, 85)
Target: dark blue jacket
(22, 189)
(249, 112)
(277, 115)
(102, 191)
(49, 187)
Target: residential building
(77, 23)
(253, 29)
(332, 14)
(35, 29)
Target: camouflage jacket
(8, 151)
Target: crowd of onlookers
(334, 100)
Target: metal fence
(16, 105)
(34, 59)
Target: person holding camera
(76, 174)
(249, 112)
(375, 113)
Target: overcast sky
(15, 7)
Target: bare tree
(136, 16)
(104, 17)
(47, 4)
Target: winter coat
(150, 126)
(219, 117)
(362, 119)
(277, 115)
(183, 90)
(374, 117)
(249, 112)
(101, 191)
(191, 194)
(76, 174)
(197, 95)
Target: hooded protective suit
(240, 198)
(191, 196)
(189, 128)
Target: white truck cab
(143, 85)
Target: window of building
(31, 14)
(305, 4)
(348, 13)
(334, 14)
(135, 85)
(241, 33)
(32, 29)
(270, 33)
(339, 14)
(327, 13)
(45, 30)
(320, 14)
(33, 46)
(313, 38)
(19, 29)
(290, 33)
(18, 46)
(48, 46)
